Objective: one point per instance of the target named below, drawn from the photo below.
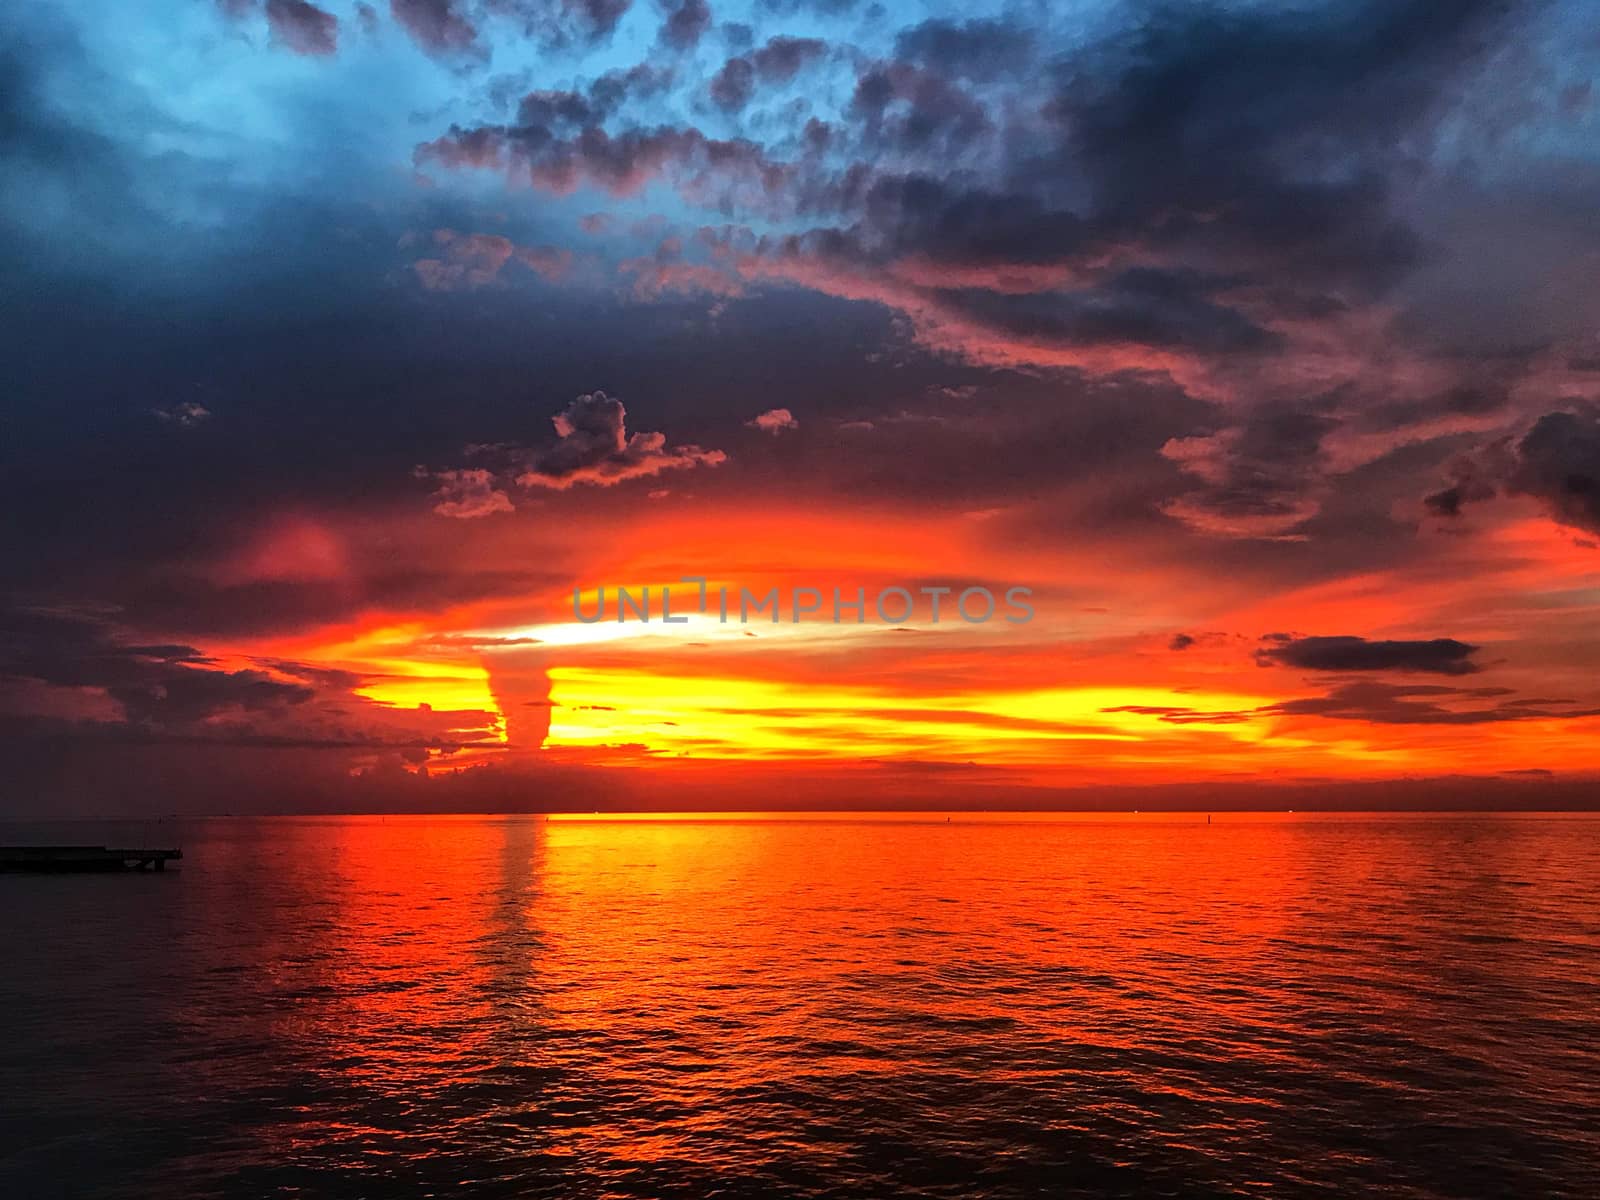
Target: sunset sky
(1260, 340)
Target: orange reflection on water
(649, 1000)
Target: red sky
(1260, 346)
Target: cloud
(1556, 462)
(1438, 656)
(578, 107)
(548, 261)
(1181, 641)
(967, 318)
(778, 61)
(732, 86)
(438, 26)
(1387, 704)
(1245, 197)
(789, 8)
(656, 276)
(1393, 704)
(303, 27)
(594, 447)
(468, 494)
(622, 163)
(557, 24)
(782, 58)
(1269, 468)
(69, 674)
(1146, 202)
(185, 415)
(908, 108)
(155, 688)
(599, 16)
(1262, 478)
(977, 49)
(1181, 716)
(1560, 466)
(474, 260)
(774, 421)
(686, 24)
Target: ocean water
(835, 1006)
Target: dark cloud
(779, 61)
(157, 688)
(1399, 704)
(1235, 113)
(601, 16)
(556, 23)
(57, 161)
(782, 58)
(593, 446)
(1191, 133)
(621, 164)
(909, 108)
(972, 228)
(1260, 477)
(732, 86)
(1181, 641)
(1156, 194)
(1181, 235)
(1188, 142)
(438, 26)
(1466, 399)
(612, 90)
(686, 24)
(1388, 704)
(977, 49)
(1559, 465)
(468, 494)
(542, 113)
(1556, 462)
(557, 108)
(303, 27)
(1437, 656)
(1123, 222)
(1181, 716)
(1272, 471)
(72, 674)
(1161, 309)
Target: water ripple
(993, 1007)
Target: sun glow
(745, 717)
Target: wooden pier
(83, 858)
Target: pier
(83, 858)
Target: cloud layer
(1204, 320)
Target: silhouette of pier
(84, 858)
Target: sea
(972, 1005)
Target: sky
(1257, 343)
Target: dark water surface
(839, 1007)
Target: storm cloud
(1556, 462)
(593, 446)
(1181, 309)
(1437, 656)
(73, 674)
(303, 27)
